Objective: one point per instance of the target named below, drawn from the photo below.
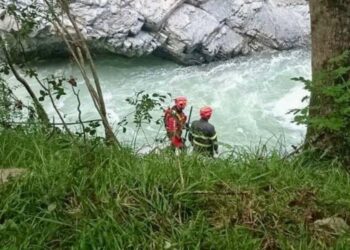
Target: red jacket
(174, 121)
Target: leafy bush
(331, 116)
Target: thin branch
(41, 84)
(144, 134)
(110, 136)
(65, 7)
(135, 137)
(59, 113)
(48, 90)
(79, 112)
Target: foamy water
(250, 95)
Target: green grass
(92, 197)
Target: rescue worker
(175, 122)
(203, 135)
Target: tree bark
(330, 31)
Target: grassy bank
(90, 196)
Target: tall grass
(88, 196)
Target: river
(250, 95)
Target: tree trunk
(330, 31)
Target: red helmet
(206, 112)
(181, 102)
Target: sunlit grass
(91, 196)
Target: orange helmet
(181, 102)
(206, 112)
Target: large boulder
(188, 31)
(277, 26)
(156, 11)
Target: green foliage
(12, 44)
(5, 93)
(90, 129)
(144, 104)
(5, 103)
(89, 196)
(11, 108)
(331, 113)
(54, 86)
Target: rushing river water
(250, 95)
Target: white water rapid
(250, 95)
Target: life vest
(174, 121)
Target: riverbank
(88, 196)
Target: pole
(188, 124)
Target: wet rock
(156, 11)
(187, 30)
(226, 44)
(196, 2)
(221, 9)
(143, 43)
(273, 27)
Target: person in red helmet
(203, 135)
(175, 121)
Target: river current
(250, 95)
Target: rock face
(188, 31)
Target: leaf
(305, 98)
(342, 71)
(293, 111)
(72, 82)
